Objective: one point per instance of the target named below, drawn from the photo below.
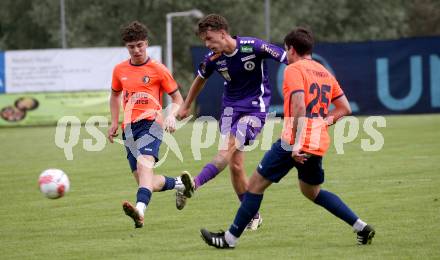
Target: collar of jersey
(232, 54)
(236, 48)
(137, 65)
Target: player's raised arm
(271, 51)
(194, 91)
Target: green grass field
(395, 189)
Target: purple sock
(208, 172)
(241, 197)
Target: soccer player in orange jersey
(141, 82)
(308, 91)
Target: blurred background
(56, 61)
(51, 24)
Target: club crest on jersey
(145, 79)
(246, 48)
(249, 65)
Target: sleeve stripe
(116, 90)
(296, 91)
(333, 99)
(283, 56)
(174, 91)
(200, 74)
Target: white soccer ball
(53, 183)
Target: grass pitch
(395, 189)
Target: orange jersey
(320, 89)
(143, 87)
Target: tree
(26, 24)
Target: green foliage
(26, 24)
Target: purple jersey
(245, 72)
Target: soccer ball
(53, 183)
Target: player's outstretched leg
(186, 192)
(365, 236)
(337, 207)
(133, 213)
(217, 240)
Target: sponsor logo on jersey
(246, 49)
(249, 65)
(247, 42)
(221, 63)
(248, 57)
(269, 50)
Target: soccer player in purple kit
(241, 62)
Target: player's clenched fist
(112, 132)
(170, 124)
(183, 113)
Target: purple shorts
(245, 126)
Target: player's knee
(235, 167)
(308, 195)
(309, 192)
(145, 162)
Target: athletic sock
(230, 239)
(248, 208)
(208, 172)
(143, 197)
(241, 197)
(359, 225)
(336, 206)
(178, 183)
(169, 184)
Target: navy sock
(336, 206)
(143, 195)
(241, 197)
(169, 184)
(249, 207)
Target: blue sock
(143, 195)
(249, 207)
(336, 206)
(241, 197)
(169, 184)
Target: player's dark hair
(134, 31)
(212, 22)
(301, 39)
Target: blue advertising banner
(2, 72)
(378, 77)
